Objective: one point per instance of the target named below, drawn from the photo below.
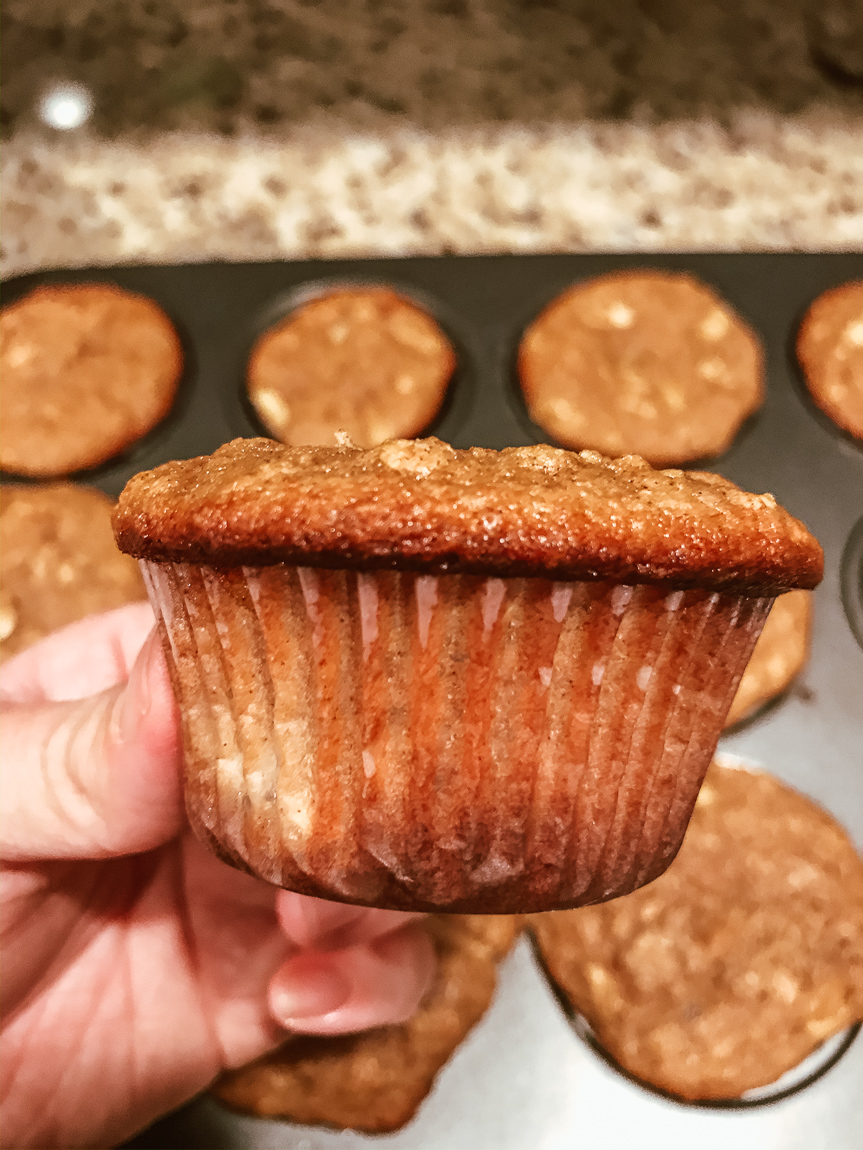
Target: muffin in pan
(58, 561)
(362, 360)
(429, 679)
(778, 658)
(830, 351)
(645, 362)
(87, 369)
(376, 1081)
(738, 962)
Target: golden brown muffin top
(422, 505)
(739, 961)
(360, 359)
(58, 561)
(830, 350)
(643, 361)
(85, 369)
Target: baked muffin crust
(360, 359)
(642, 361)
(58, 561)
(739, 961)
(87, 370)
(830, 351)
(424, 506)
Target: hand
(136, 966)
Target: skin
(136, 966)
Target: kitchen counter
(278, 129)
(265, 129)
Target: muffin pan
(88, 369)
(728, 900)
(642, 362)
(806, 1073)
(812, 738)
(362, 361)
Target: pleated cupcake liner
(449, 742)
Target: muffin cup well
(446, 742)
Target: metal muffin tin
(524, 1078)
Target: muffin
(642, 362)
(359, 360)
(778, 658)
(736, 964)
(830, 351)
(429, 679)
(58, 561)
(87, 369)
(377, 1080)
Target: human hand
(136, 965)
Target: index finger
(314, 924)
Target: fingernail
(308, 992)
(134, 703)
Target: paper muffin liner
(447, 742)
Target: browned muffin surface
(830, 350)
(739, 961)
(424, 506)
(86, 370)
(58, 561)
(779, 656)
(361, 360)
(641, 362)
(376, 1081)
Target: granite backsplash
(265, 129)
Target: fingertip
(145, 713)
(162, 717)
(341, 992)
(410, 947)
(308, 987)
(145, 752)
(315, 923)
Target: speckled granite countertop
(262, 129)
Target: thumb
(95, 777)
(340, 992)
